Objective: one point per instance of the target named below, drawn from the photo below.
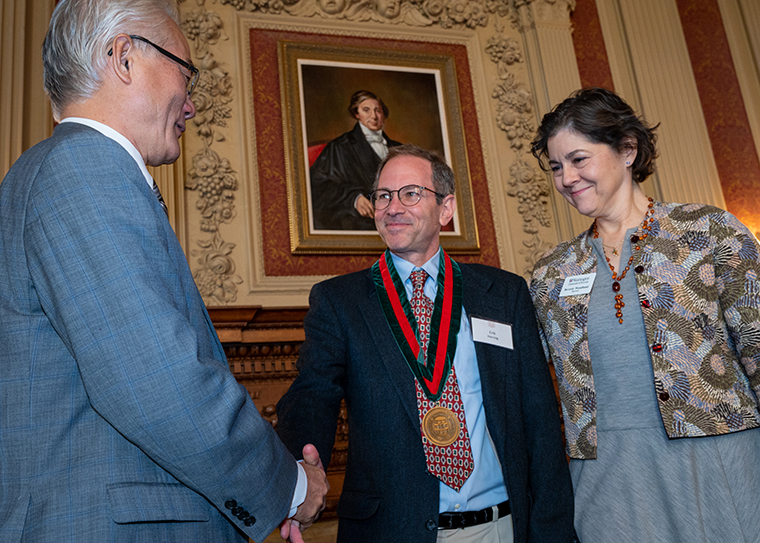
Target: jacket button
(645, 303)
(639, 269)
(664, 396)
(250, 521)
(237, 510)
(431, 525)
(243, 515)
(229, 504)
(657, 347)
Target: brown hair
(359, 96)
(603, 117)
(442, 175)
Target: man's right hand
(364, 206)
(316, 496)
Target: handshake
(316, 491)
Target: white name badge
(578, 284)
(492, 332)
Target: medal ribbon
(444, 325)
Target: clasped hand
(316, 494)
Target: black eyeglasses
(409, 195)
(194, 73)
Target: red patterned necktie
(452, 464)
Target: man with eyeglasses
(119, 417)
(454, 431)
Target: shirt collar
(405, 268)
(118, 138)
(367, 132)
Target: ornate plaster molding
(555, 11)
(445, 13)
(211, 175)
(516, 118)
(215, 180)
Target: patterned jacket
(698, 280)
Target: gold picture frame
(399, 70)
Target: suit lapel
(363, 150)
(479, 301)
(389, 353)
(482, 299)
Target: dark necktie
(160, 198)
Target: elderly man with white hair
(119, 417)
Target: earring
(627, 162)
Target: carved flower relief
(211, 99)
(499, 7)
(513, 125)
(202, 27)
(213, 178)
(216, 279)
(214, 89)
(504, 50)
(469, 13)
(265, 6)
(514, 111)
(433, 8)
(211, 175)
(532, 192)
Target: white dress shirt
(376, 140)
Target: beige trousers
(496, 531)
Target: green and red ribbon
(445, 321)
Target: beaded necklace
(646, 227)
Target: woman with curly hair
(651, 318)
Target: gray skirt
(644, 487)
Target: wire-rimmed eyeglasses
(410, 195)
(194, 73)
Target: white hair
(75, 51)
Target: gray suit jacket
(119, 417)
(388, 495)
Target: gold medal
(441, 426)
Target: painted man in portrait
(343, 173)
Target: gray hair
(442, 176)
(74, 53)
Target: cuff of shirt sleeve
(300, 494)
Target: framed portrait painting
(329, 167)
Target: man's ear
(120, 57)
(448, 208)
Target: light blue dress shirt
(485, 486)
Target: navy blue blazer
(119, 417)
(388, 494)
